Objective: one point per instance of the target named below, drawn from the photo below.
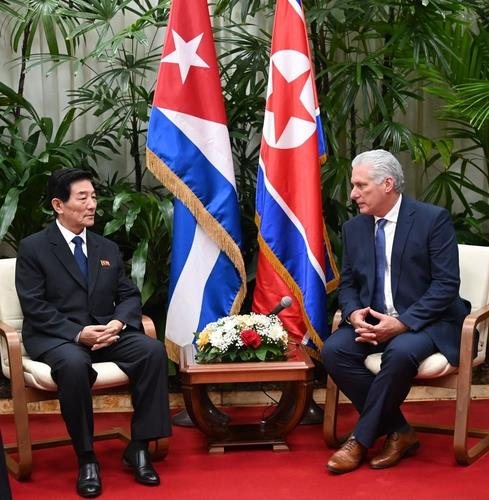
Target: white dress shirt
(68, 236)
(389, 230)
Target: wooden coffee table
(296, 375)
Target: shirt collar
(68, 235)
(393, 213)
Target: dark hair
(59, 184)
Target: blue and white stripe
(207, 272)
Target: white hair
(382, 164)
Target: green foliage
(31, 17)
(141, 223)
(30, 149)
(461, 158)
(473, 102)
(266, 352)
(246, 8)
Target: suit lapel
(93, 261)
(405, 221)
(63, 253)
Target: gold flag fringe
(173, 350)
(212, 227)
(332, 284)
(289, 280)
(291, 283)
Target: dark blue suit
(57, 304)
(425, 284)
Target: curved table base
(219, 428)
(221, 432)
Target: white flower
(276, 332)
(225, 333)
(247, 321)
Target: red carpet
(190, 473)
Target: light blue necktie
(379, 295)
(80, 257)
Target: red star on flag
(284, 101)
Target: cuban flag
(295, 256)
(188, 150)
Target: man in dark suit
(399, 296)
(80, 308)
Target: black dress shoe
(88, 483)
(140, 463)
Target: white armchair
(436, 371)
(31, 380)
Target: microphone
(285, 302)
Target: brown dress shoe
(348, 457)
(397, 445)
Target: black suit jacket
(54, 298)
(424, 272)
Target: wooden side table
(296, 374)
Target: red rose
(250, 338)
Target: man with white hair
(399, 295)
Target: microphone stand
(182, 419)
(313, 415)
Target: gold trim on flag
(172, 350)
(332, 284)
(204, 218)
(283, 272)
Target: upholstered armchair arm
(14, 351)
(468, 336)
(149, 326)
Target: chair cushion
(38, 375)
(433, 366)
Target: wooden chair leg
(330, 415)
(21, 469)
(463, 454)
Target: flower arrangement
(246, 337)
